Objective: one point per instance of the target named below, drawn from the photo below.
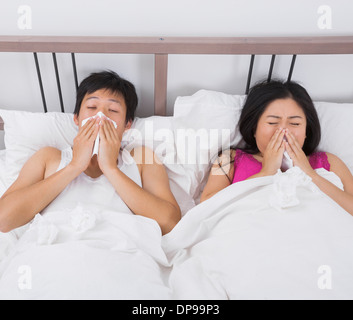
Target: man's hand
(109, 146)
(83, 144)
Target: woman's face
(281, 113)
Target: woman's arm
(221, 175)
(342, 198)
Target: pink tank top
(245, 165)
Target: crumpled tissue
(82, 219)
(285, 186)
(287, 162)
(96, 143)
(46, 232)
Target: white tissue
(83, 220)
(46, 232)
(285, 186)
(287, 162)
(96, 143)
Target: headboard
(164, 46)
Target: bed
(247, 242)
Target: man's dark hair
(112, 82)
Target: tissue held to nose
(99, 115)
(287, 162)
(96, 143)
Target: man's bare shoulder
(48, 153)
(144, 155)
(51, 158)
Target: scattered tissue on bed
(83, 220)
(45, 231)
(96, 143)
(285, 186)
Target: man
(41, 180)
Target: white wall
(326, 78)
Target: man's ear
(76, 120)
(128, 125)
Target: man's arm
(155, 199)
(36, 188)
(31, 192)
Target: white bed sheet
(86, 255)
(2, 171)
(237, 246)
(7, 241)
(233, 246)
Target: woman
(278, 117)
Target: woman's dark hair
(112, 82)
(260, 96)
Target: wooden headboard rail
(161, 47)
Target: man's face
(112, 105)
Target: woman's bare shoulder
(225, 157)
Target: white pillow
(202, 116)
(209, 110)
(26, 133)
(157, 134)
(3, 186)
(204, 124)
(336, 121)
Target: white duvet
(266, 238)
(251, 241)
(80, 254)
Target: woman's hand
(273, 155)
(83, 145)
(109, 146)
(297, 154)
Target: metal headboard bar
(273, 58)
(58, 82)
(251, 68)
(40, 81)
(162, 47)
(292, 67)
(271, 68)
(179, 45)
(73, 58)
(57, 79)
